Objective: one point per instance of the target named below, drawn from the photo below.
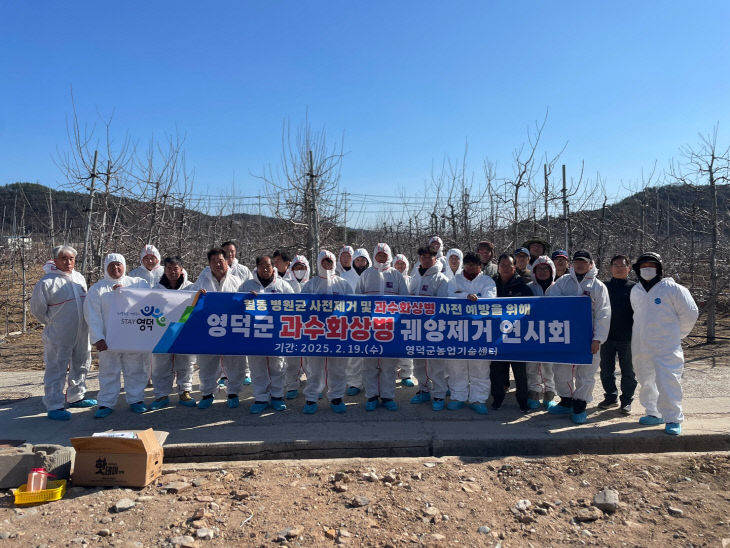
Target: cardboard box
(112, 461)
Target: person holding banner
(268, 373)
(575, 383)
(112, 364)
(428, 280)
(379, 373)
(322, 370)
(664, 314)
(509, 284)
(165, 367)
(405, 365)
(468, 380)
(149, 268)
(219, 277)
(58, 302)
(540, 379)
(299, 269)
(360, 263)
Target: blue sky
(626, 83)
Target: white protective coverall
(152, 277)
(295, 364)
(133, 365)
(354, 365)
(268, 373)
(540, 376)
(241, 271)
(165, 367)
(450, 273)
(432, 283)
(58, 302)
(210, 366)
(469, 380)
(324, 371)
(584, 375)
(381, 279)
(350, 275)
(663, 316)
(405, 365)
(440, 259)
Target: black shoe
(608, 403)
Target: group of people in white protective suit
(663, 313)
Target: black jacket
(516, 287)
(622, 315)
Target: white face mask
(299, 274)
(647, 273)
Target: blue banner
(533, 329)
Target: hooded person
(468, 380)
(322, 370)
(540, 378)
(58, 302)
(574, 383)
(165, 367)
(345, 267)
(454, 265)
(219, 278)
(438, 246)
(405, 365)
(360, 263)
(112, 364)
(664, 314)
(429, 281)
(268, 373)
(297, 275)
(149, 268)
(379, 374)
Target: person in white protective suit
(165, 367)
(322, 370)
(149, 269)
(360, 263)
(345, 268)
(540, 378)
(300, 272)
(428, 280)
(454, 263)
(112, 364)
(405, 365)
(574, 383)
(468, 380)
(58, 302)
(438, 246)
(664, 314)
(379, 373)
(219, 278)
(268, 373)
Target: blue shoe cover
(103, 412)
(205, 403)
(673, 428)
(353, 391)
(292, 394)
(408, 382)
(390, 405)
(421, 397)
(533, 404)
(453, 405)
(233, 402)
(59, 415)
(650, 420)
(371, 405)
(187, 403)
(247, 381)
(480, 408)
(310, 408)
(549, 404)
(579, 418)
(159, 404)
(338, 407)
(83, 403)
(558, 409)
(438, 405)
(278, 404)
(138, 408)
(257, 407)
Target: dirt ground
(663, 500)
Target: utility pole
(314, 227)
(87, 238)
(50, 215)
(565, 211)
(344, 228)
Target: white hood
(385, 248)
(114, 258)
